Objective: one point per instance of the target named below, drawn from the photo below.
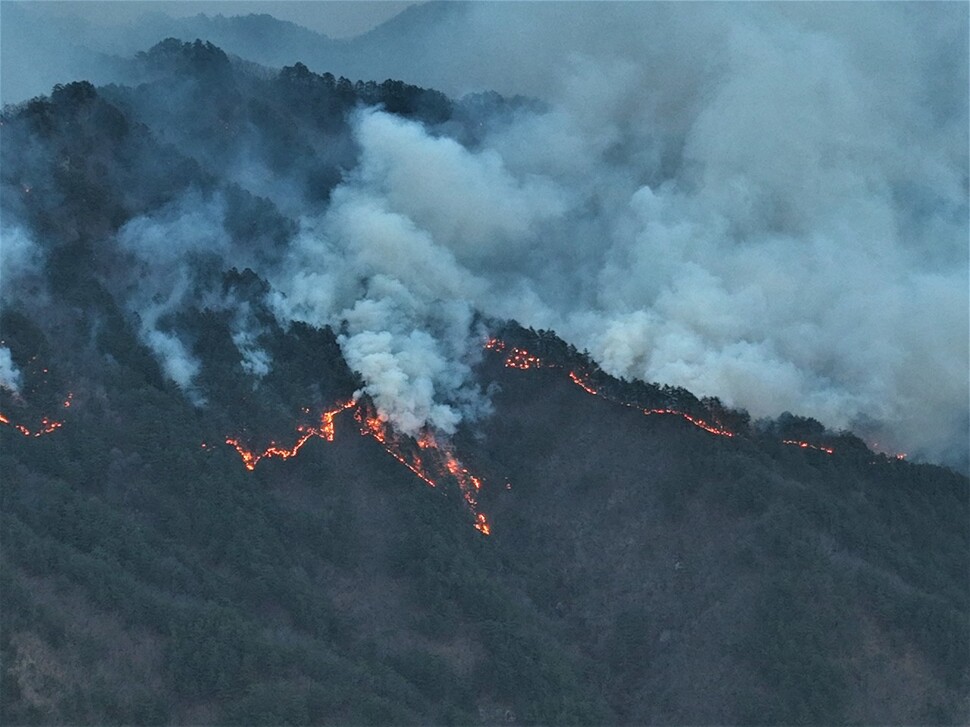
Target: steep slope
(645, 556)
(639, 570)
(732, 579)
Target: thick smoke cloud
(762, 202)
(401, 302)
(768, 206)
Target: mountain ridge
(639, 568)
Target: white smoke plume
(762, 202)
(399, 301)
(757, 203)
(245, 331)
(170, 251)
(9, 373)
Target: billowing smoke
(762, 202)
(9, 373)
(171, 253)
(178, 255)
(401, 302)
(777, 217)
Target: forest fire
(468, 483)
(324, 431)
(438, 461)
(808, 445)
(374, 427)
(898, 456)
(582, 383)
(522, 360)
(46, 426)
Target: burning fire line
(324, 431)
(47, 425)
(441, 456)
(468, 484)
(806, 445)
(522, 360)
(374, 427)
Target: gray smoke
(762, 202)
(758, 203)
(169, 250)
(21, 265)
(9, 373)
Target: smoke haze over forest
(498, 363)
(765, 203)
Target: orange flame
(521, 359)
(47, 425)
(325, 431)
(808, 445)
(442, 460)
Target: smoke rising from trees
(763, 203)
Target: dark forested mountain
(75, 48)
(220, 506)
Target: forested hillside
(578, 549)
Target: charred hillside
(220, 505)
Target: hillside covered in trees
(575, 548)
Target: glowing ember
(808, 445)
(582, 383)
(46, 426)
(875, 447)
(521, 359)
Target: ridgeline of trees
(640, 570)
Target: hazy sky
(336, 18)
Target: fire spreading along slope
(46, 426)
(522, 360)
(325, 431)
(806, 445)
(426, 457)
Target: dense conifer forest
(638, 568)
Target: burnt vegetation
(641, 570)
